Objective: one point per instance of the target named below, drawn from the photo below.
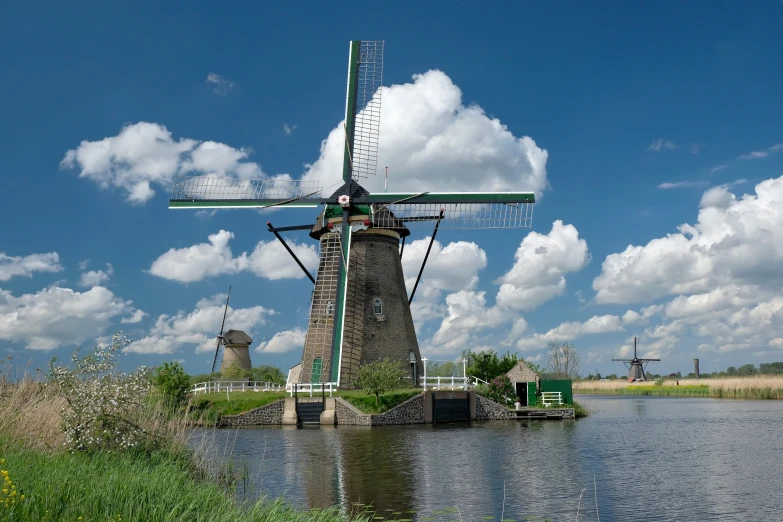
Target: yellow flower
(2, 461)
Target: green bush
(173, 383)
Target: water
(653, 458)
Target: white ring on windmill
(358, 266)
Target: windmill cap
(236, 337)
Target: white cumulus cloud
(431, 141)
(540, 266)
(198, 328)
(96, 277)
(283, 342)
(13, 266)
(269, 260)
(145, 154)
(55, 316)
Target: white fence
(232, 386)
(550, 398)
(307, 387)
(438, 383)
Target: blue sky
(625, 98)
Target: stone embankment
(416, 410)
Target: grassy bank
(758, 387)
(43, 478)
(113, 487)
(207, 408)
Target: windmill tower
(360, 310)
(636, 367)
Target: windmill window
(329, 308)
(377, 306)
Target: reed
(762, 387)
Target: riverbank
(751, 388)
(43, 478)
(126, 486)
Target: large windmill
(360, 310)
(636, 367)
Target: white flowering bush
(105, 407)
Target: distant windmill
(636, 366)
(222, 325)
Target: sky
(649, 131)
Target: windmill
(360, 310)
(636, 366)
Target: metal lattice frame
(459, 216)
(232, 190)
(367, 126)
(323, 309)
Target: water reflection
(653, 458)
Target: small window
(377, 306)
(329, 308)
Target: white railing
(549, 398)
(437, 383)
(232, 386)
(310, 387)
(475, 381)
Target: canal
(652, 459)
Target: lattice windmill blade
(363, 107)
(222, 192)
(455, 210)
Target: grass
(207, 408)
(171, 484)
(387, 401)
(114, 487)
(758, 387)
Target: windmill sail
(360, 309)
(366, 126)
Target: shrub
(105, 406)
(173, 382)
(500, 390)
(267, 373)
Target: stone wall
(490, 410)
(271, 414)
(409, 412)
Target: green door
(317, 365)
(531, 394)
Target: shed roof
(521, 373)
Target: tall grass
(763, 387)
(171, 483)
(113, 486)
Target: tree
(267, 373)
(563, 360)
(500, 390)
(747, 369)
(380, 377)
(487, 365)
(445, 369)
(173, 382)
